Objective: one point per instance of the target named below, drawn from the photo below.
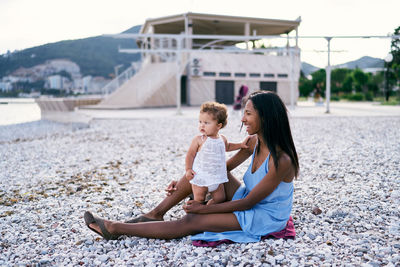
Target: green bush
(345, 96)
(369, 96)
(356, 97)
(335, 98)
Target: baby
(205, 160)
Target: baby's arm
(235, 146)
(191, 154)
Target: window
(240, 74)
(282, 75)
(209, 73)
(269, 75)
(224, 74)
(255, 75)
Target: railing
(121, 78)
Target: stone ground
(118, 168)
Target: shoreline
(31, 112)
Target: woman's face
(251, 119)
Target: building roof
(219, 25)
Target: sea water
(18, 110)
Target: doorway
(184, 90)
(224, 92)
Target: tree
(395, 48)
(305, 86)
(394, 75)
(319, 81)
(377, 81)
(338, 77)
(361, 80)
(348, 84)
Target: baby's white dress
(210, 164)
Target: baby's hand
(244, 143)
(190, 174)
(171, 188)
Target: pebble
(279, 257)
(103, 258)
(311, 236)
(52, 172)
(316, 211)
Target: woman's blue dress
(268, 216)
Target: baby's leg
(218, 195)
(199, 193)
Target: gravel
(51, 173)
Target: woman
(259, 207)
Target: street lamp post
(328, 76)
(388, 59)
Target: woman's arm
(265, 187)
(242, 154)
(235, 146)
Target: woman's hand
(245, 141)
(194, 207)
(171, 188)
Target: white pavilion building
(191, 58)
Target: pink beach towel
(287, 233)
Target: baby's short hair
(217, 110)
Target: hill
(361, 63)
(307, 68)
(95, 56)
(98, 55)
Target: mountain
(361, 63)
(98, 55)
(308, 68)
(95, 56)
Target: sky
(29, 23)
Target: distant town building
(50, 67)
(5, 86)
(373, 70)
(60, 74)
(54, 82)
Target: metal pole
(178, 76)
(291, 78)
(387, 82)
(328, 76)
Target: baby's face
(208, 125)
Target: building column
(188, 56)
(247, 33)
(151, 42)
(188, 31)
(287, 40)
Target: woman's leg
(218, 195)
(231, 186)
(184, 188)
(188, 225)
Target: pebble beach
(346, 200)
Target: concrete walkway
(303, 109)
